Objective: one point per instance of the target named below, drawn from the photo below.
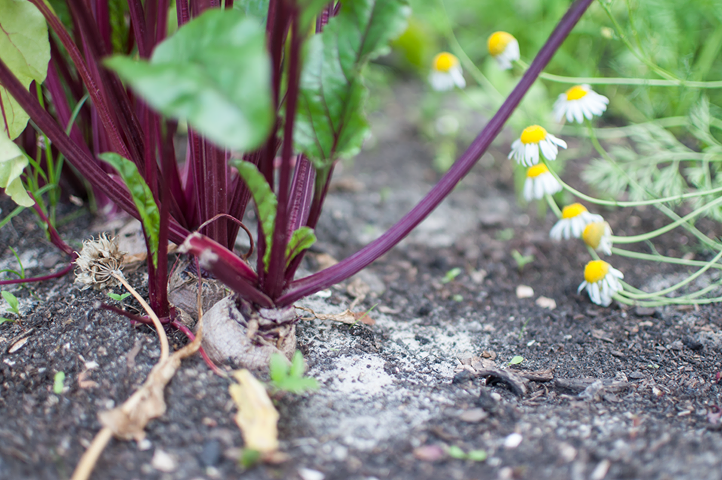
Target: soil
(632, 394)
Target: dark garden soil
(623, 392)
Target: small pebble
(163, 461)
(308, 474)
(524, 291)
(211, 453)
(513, 440)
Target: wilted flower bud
(97, 263)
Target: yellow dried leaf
(257, 417)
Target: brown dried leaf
(128, 421)
(347, 316)
(83, 381)
(257, 417)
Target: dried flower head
(98, 262)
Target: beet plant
(273, 97)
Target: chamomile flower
(539, 182)
(598, 235)
(578, 103)
(575, 218)
(601, 282)
(446, 73)
(504, 48)
(525, 150)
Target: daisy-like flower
(446, 72)
(601, 282)
(575, 218)
(525, 150)
(598, 235)
(539, 182)
(578, 103)
(504, 48)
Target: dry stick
(90, 457)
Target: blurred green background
(682, 38)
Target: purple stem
(122, 110)
(165, 321)
(137, 20)
(273, 283)
(301, 200)
(62, 109)
(93, 88)
(54, 235)
(187, 332)
(302, 194)
(62, 272)
(85, 164)
(183, 12)
(388, 240)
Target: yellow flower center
(533, 134)
(444, 62)
(498, 42)
(536, 170)
(576, 92)
(595, 271)
(593, 233)
(573, 210)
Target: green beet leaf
(330, 122)
(214, 73)
(12, 163)
(301, 239)
(25, 49)
(142, 197)
(264, 199)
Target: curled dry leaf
(347, 316)
(257, 417)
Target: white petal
(457, 77)
(529, 189)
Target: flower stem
(553, 205)
(648, 82)
(660, 258)
(156, 322)
(680, 284)
(666, 210)
(616, 203)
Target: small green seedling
(451, 275)
(516, 360)
(59, 383)
(474, 455)
(117, 297)
(21, 273)
(290, 378)
(12, 302)
(249, 457)
(505, 235)
(521, 260)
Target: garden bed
(615, 393)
